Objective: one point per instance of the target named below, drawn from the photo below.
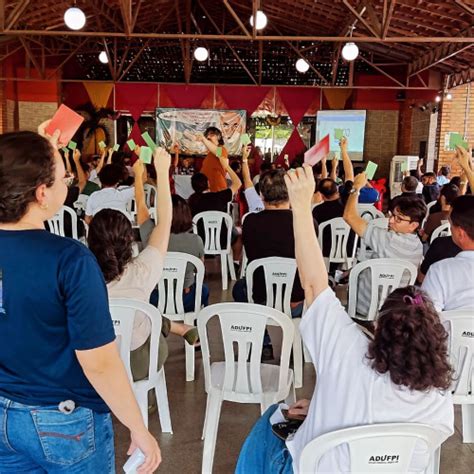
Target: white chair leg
(433, 467)
(224, 271)
(230, 261)
(212, 425)
(467, 423)
(142, 400)
(291, 397)
(163, 405)
(307, 355)
(298, 358)
(244, 264)
(189, 351)
(206, 415)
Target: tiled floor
(182, 451)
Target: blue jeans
(41, 439)
(188, 298)
(239, 293)
(262, 451)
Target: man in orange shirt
(211, 166)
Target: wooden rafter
(460, 78)
(464, 7)
(16, 13)
(2, 15)
(126, 9)
(134, 60)
(373, 18)
(70, 56)
(296, 50)
(32, 57)
(360, 18)
(388, 18)
(386, 74)
(335, 64)
(236, 18)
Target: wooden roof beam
(134, 60)
(386, 74)
(126, 9)
(460, 78)
(360, 18)
(236, 18)
(388, 18)
(16, 13)
(464, 7)
(32, 57)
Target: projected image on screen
(338, 123)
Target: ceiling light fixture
(302, 65)
(74, 18)
(449, 96)
(103, 58)
(438, 98)
(350, 51)
(261, 22)
(201, 53)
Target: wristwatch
(354, 191)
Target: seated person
(109, 197)
(450, 282)
(443, 175)
(431, 188)
(269, 233)
(359, 381)
(409, 186)
(398, 241)
(449, 192)
(332, 206)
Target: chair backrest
(56, 223)
(428, 207)
(243, 325)
(385, 447)
(386, 275)
(132, 210)
(123, 312)
(441, 231)
(212, 221)
(339, 237)
(81, 203)
(150, 195)
(279, 276)
(381, 222)
(369, 212)
(461, 352)
(171, 285)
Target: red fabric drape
(243, 97)
(296, 101)
(293, 147)
(186, 97)
(136, 98)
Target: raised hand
(300, 184)
(161, 160)
(53, 139)
(343, 143)
(360, 180)
(246, 152)
(462, 155)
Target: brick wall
(381, 138)
(420, 129)
(11, 116)
(457, 115)
(31, 114)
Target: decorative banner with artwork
(180, 126)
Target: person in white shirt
(402, 375)
(399, 241)
(109, 197)
(450, 282)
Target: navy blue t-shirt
(54, 301)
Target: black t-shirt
(269, 233)
(441, 248)
(328, 210)
(431, 192)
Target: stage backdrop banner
(181, 126)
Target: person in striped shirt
(399, 241)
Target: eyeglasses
(68, 179)
(397, 218)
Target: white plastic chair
(132, 211)
(386, 275)
(363, 252)
(150, 195)
(441, 231)
(428, 207)
(213, 221)
(81, 203)
(245, 380)
(123, 314)
(369, 212)
(244, 263)
(339, 237)
(279, 274)
(461, 351)
(56, 223)
(170, 301)
(384, 447)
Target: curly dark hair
(214, 131)
(410, 343)
(110, 239)
(182, 217)
(26, 162)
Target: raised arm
(66, 159)
(324, 168)
(236, 183)
(110, 152)
(335, 164)
(312, 271)
(81, 176)
(100, 165)
(161, 233)
(351, 214)
(346, 161)
(209, 145)
(245, 167)
(143, 212)
(464, 159)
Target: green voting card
(102, 144)
(116, 147)
(149, 141)
(404, 166)
(338, 133)
(131, 144)
(145, 154)
(456, 139)
(370, 170)
(64, 149)
(72, 145)
(245, 139)
(219, 152)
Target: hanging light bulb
(449, 96)
(350, 51)
(438, 98)
(301, 65)
(103, 58)
(74, 18)
(201, 54)
(261, 20)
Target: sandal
(191, 336)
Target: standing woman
(211, 166)
(60, 371)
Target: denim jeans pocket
(65, 438)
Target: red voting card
(316, 153)
(66, 120)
